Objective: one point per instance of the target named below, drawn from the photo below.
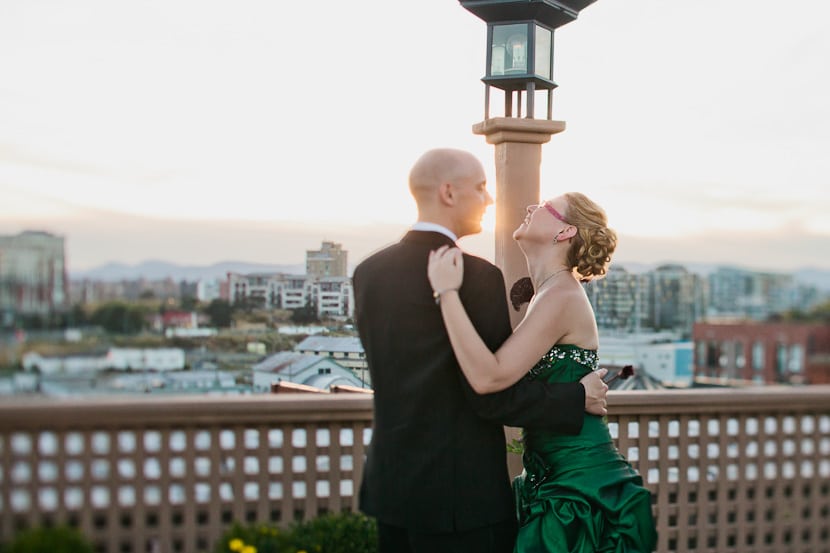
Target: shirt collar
(435, 227)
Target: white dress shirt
(435, 227)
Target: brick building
(769, 353)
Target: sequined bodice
(564, 363)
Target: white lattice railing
(732, 471)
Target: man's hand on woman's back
(595, 392)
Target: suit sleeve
(529, 404)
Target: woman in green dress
(577, 493)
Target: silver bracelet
(437, 294)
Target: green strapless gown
(578, 494)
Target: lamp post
(520, 63)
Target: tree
(188, 303)
(305, 315)
(818, 314)
(220, 313)
(821, 312)
(118, 317)
(77, 316)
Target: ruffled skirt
(582, 498)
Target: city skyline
(275, 243)
(160, 270)
(165, 130)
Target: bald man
(436, 472)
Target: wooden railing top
(167, 410)
(172, 410)
(768, 399)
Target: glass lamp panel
(544, 52)
(509, 49)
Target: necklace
(550, 276)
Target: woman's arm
(557, 408)
(542, 327)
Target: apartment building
(259, 289)
(331, 260)
(332, 297)
(669, 297)
(621, 300)
(678, 298)
(755, 295)
(33, 278)
(326, 286)
(88, 291)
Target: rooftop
(344, 344)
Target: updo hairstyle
(591, 248)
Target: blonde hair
(591, 248)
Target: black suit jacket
(437, 460)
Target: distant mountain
(635, 267)
(158, 270)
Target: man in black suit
(436, 472)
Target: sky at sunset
(204, 131)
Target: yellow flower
(302, 551)
(248, 549)
(236, 544)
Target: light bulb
(517, 48)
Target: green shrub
(60, 539)
(337, 533)
(258, 538)
(332, 533)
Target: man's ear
(445, 194)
